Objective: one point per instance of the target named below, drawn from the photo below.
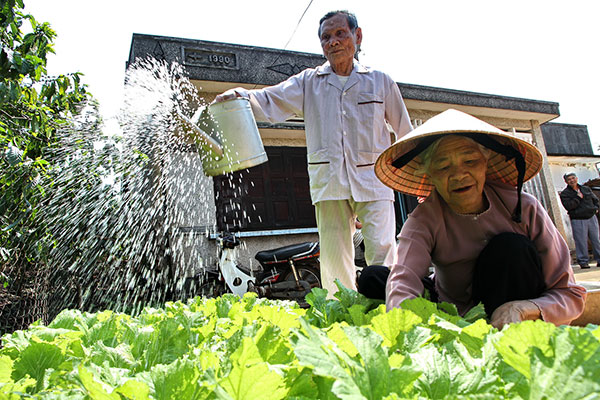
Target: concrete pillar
(550, 192)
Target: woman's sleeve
(415, 243)
(564, 300)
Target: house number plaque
(207, 58)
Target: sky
(536, 49)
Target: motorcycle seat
(283, 254)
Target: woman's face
(457, 170)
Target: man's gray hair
(568, 174)
(350, 17)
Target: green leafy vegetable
(250, 348)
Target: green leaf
(35, 360)
(301, 385)
(114, 357)
(6, 369)
(133, 390)
(516, 343)
(273, 345)
(323, 311)
(349, 298)
(17, 390)
(107, 327)
(316, 351)
(594, 330)
(449, 371)
(378, 379)
(70, 319)
(473, 336)
(421, 307)
(448, 308)
(365, 376)
(178, 380)
(224, 305)
(393, 325)
(94, 389)
(337, 334)
(571, 371)
(160, 343)
(251, 377)
(475, 313)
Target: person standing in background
(582, 206)
(347, 108)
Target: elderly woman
(487, 241)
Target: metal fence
(25, 300)
(534, 187)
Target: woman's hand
(515, 311)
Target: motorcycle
(285, 273)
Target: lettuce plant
(250, 348)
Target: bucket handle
(188, 125)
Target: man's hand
(515, 311)
(227, 95)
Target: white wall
(584, 171)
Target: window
(273, 195)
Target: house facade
(270, 204)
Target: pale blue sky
(536, 49)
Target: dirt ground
(590, 278)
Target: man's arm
(568, 201)
(594, 198)
(274, 103)
(395, 111)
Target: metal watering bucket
(228, 136)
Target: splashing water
(119, 197)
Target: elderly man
(582, 206)
(345, 107)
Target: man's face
(572, 181)
(338, 41)
(458, 170)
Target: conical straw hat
(407, 180)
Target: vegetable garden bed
(227, 348)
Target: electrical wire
(298, 24)
(292, 35)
